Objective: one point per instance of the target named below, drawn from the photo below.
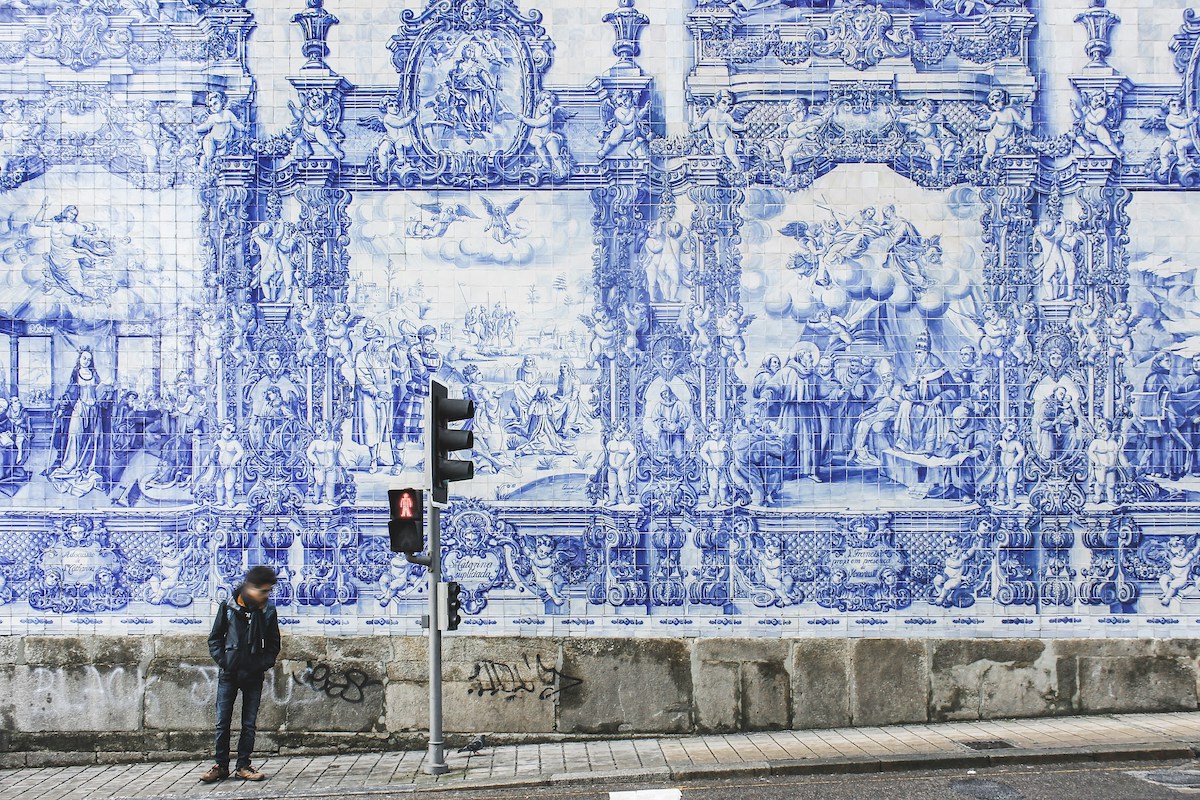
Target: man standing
(1186, 401)
(245, 643)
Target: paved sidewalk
(957, 744)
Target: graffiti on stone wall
(348, 684)
(526, 676)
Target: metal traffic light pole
(436, 759)
(439, 471)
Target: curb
(1157, 751)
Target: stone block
(717, 701)
(179, 648)
(8, 711)
(626, 685)
(80, 698)
(991, 678)
(330, 695)
(10, 649)
(359, 648)
(410, 659)
(754, 695)
(181, 698)
(406, 706)
(820, 676)
(56, 651)
(129, 650)
(301, 647)
(1136, 683)
(513, 709)
(502, 684)
(766, 696)
(890, 681)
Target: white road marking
(647, 794)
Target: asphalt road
(1043, 782)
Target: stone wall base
(85, 699)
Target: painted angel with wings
(545, 136)
(1097, 123)
(502, 229)
(731, 329)
(624, 124)
(397, 138)
(604, 335)
(444, 215)
(1179, 151)
(315, 126)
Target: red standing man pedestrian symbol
(405, 506)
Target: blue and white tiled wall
(782, 317)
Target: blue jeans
(228, 687)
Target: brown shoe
(249, 774)
(215, 773)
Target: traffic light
(406, 528)
(449, 606)
(444, 440)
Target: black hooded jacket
(244, 641)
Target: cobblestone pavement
(966, 744)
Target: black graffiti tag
(350, 685)
(522, 677)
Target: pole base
(436, 769)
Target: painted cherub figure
(622, 456)
(1178, 149)
(148, 132)
(315, 126)
(1085, 319)
(1120, 332)
(604, 335)
(544, 572)
(954, 574)
(1001, 126)
(396, 140)
(731, 329)
(927, 126)
(996, 334)
(624, 125)
(1104, 460)
(799, 134)
(398, 578)
(217, 130)
(1012, 457)
(546, 142)
(1092, 134)
(714, 453)
(227, 455)
(718, 122)
(322, 456)
(170, 569)
(338, 345)
(775, 573)
(1180, 561)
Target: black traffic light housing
(444, 440)
(453, 606)
(406, 528)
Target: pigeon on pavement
(474, 746)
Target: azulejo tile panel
(860, 341)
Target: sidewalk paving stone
(760, 753)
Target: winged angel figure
(444, 215)
(625, 124)
(502, 229)
(396, 137)
(315, 127)
(545, 134)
